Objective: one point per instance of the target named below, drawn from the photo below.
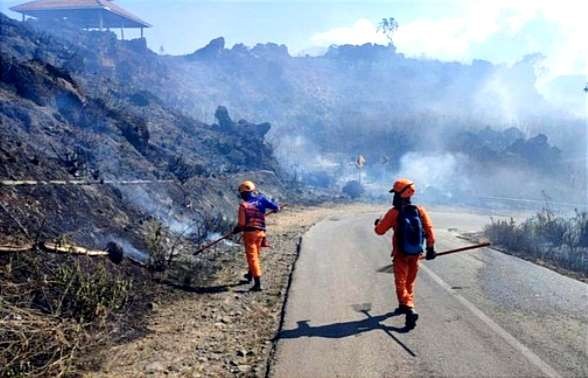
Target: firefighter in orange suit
(411, 225)
(252, 223)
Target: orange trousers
(405, 272)
(252, 241)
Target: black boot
(248, 277)
(257, 285)
(411, 318)
(402, 309)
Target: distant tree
(388, 27)
(161, 49)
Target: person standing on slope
(411, 225)
(251, 219)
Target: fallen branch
(71, 249)
(10, 248)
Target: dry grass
(37, 345)
(55, 310)
(546, 237)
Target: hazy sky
(495, 30)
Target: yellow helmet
(247, 186)
(404, 187)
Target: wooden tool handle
(462, 249)
(476, 246)
(226, 236)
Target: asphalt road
(482, 313)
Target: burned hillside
(352, 100)
(375, 101)
(89, 156)
(71, 111)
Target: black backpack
(411, 234)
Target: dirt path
(221, 329)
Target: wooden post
(141, 32)
(122, 33)
(23, 17)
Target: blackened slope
(65, 114)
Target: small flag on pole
(360, 162)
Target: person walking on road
(251, 219)
(411, 225)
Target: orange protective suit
(252, 237)
(252, 241)
(405, 267)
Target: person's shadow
(346, 329)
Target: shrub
(88, 296)
(560, 241)
(353, 189)
(547, 227)
(507, 234)
(157, 246)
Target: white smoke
(494, 102)
(443, 172)
(130, 251)
(161, 206)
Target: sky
(500, 31)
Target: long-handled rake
(388, 268)
(227, 235)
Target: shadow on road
(346, 329)
(386, 269)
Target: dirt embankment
(219, 328)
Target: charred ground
(71, 110)
(76, 133)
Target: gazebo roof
(113, 15)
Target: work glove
(237, 229)
(431, 254)
(376, 222)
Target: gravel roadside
(219, 328)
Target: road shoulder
(219, 328)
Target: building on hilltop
(87, 14)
